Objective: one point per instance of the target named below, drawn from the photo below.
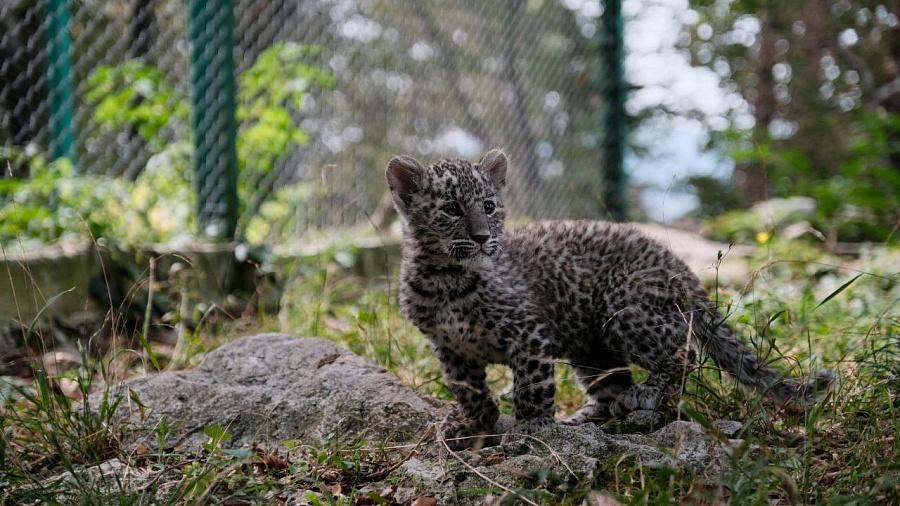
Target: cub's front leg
(534, 388)
(476, 412)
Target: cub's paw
(525, 428)
(460, 432)
(590, 412)
(638, 397)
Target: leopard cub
(600, 296)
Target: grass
(802, 307)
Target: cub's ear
(404, 175)
(494, 163)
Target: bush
(160, 205)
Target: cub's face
(453, 207)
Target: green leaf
(788, 483)
(838, 291)
(240, 453)
(48, 304)
(216, 432)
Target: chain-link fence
(293, 132)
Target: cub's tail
(739, 360)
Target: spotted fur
(598, 295)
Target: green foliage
(716, 196)
(55, 202)
(859, 203)
(217, 435)
(286, 213)
(827, 126)
(160, 205)
(271, 92)
(136, 95)
(44, 430)
(806, 310)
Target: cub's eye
(489, 206)
(453, 209)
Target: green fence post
(210, 34)
(612, 110)
(60, 92)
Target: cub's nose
(481, 237)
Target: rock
(105, 471)
(112, 475)
(691, 447)
(57, 361)
(776, 212)
(561, 455)
(271, 388)
(700, 253)
(729, 428)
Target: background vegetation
(326, 95)
(822, 80)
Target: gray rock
(775, 212)
(688, 445)
(271, 388)
(701, 254)
(729, 428)
(561, 454)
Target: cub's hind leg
(603, 380)
(658, 342)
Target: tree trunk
(764, 108)
(531, 188)
(21, 79)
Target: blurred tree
(22, 74)
(822, 78)
(143, 29)
(524, 76)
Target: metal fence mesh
(326, 92)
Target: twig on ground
(378, 475)
(443, 442)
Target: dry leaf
(141, 449)
(69, 387)
(364, 500)
(330, 475)
(494, 458)
(57, 361)
(15, 365)
(271, 460)
(702, 494)
(424, 500)
(335, 489)
(373, 497)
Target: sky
(674, 144)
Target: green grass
(798, 309)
